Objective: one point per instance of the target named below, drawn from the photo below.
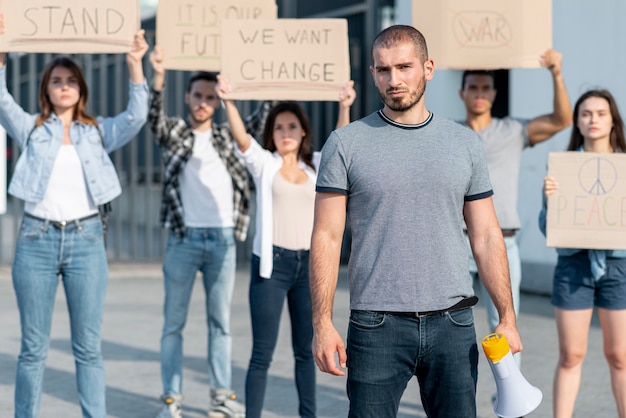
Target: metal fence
(134, 231)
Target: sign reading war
(188, 31)
(286, 59)
(589, 209)
(484, 34)
(69, 26)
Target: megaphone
(515, 396)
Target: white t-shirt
(66, 197)
(206, 187)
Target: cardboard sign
(484, 34)
(189, 32)
(589, 209)
(69, 26)
(286, 59)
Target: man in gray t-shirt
(503, 141)
(409, 181)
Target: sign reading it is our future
(189, 32)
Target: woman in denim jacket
(63, 174)
(585, 278)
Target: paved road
(131, 333)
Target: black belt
(465, 303)
(61, 224)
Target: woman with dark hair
(588, 278)
(63, 175)
(284, 173)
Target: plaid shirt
(175, 138)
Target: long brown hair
(617, 133)
(304, 153)
(44, 101)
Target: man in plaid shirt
(206, 207)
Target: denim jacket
(32, 172)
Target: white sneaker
(225, 406)
(172, 407)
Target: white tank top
(292, 207)
(66, 197)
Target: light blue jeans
(515, 272)
(76, 254)
(211, 251)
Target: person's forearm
(562, 112)
(493, 269)
(237, 127)
(324, 270)
(343, 118)
(158, 81)
(135, 69)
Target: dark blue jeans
(386, 350)
(290, 280)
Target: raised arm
(156, 60)
(346, 99)
(543, 127)
(123, 127)
(237, 127)
(490, 255)
(156, 116)
(328, 228)
(13, 118)
(135, 57)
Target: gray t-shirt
(503, 141)
(406, 188)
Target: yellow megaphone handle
(495, 346)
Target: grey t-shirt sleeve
(523, 123)
(480, 185)
(332, 176)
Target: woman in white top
(284, 172)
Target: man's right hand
(327, 343)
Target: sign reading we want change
(189, 32)
(69, 26)
(484, 34)
(589, 209)
(286, 59)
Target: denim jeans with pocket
(290, 281)
(386, 350)
(212, 251)
(76, 254)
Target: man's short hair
(401, 33)
(468, 73)
(202, 75)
